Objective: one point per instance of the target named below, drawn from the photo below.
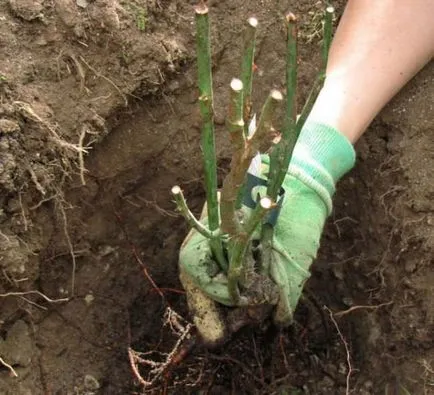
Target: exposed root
(42, 201)
(81, 156)
(427, 376)
(159, 363)
(23, 212)
(380, 267)
(138, 259)
(34, 178)
(345, 343)
(336, 222)
(392, 191)
(70, 246)
(353, 308)
(43, 296)
(6, 365)
(153, 204)
(107, 79)
(5, 236)
(27, 111)
(77, 65)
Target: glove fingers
(195, 260)
(283, 312)
(206, 314)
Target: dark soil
(117, 79)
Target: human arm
(377, 48)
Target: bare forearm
(379, 45)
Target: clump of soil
(98, 119)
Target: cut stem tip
(291, 18)
(276, 95)
(266, 203)
(201, 9)
(236, 85)
(176, 190)
(253, 22)
(330, 10)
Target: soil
(98, 120)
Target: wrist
(321, 157)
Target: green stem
(188, 215)
(264, 205)
(262, 139)
(313, 94)
(240, 245)
(267, 233)
(282, 152)
(319, 82)
(241, 162)
(206, 109)
(281, 155)
(247, 68)
(235, 124)
(327, 38)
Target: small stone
(327, 383)
(338, 272)
(173, 86)
(89, 298)
(106, 250)
(219, 119)
(340, 255)
(343, 369)
(82, 3)
(368, 385)
(410, 266)
(348, 301)
(13, 206)
(8, 126)
(91, 383)
(41, 41)
(17, 348)
(26, 9)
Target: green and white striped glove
(321, 157)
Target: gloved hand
(321, 157)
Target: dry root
(27, 111)
(159, 363)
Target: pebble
(91, 383)
(17, 348)
(89, 298)
(348, 301)
(26, 9)
(410, 266)
(8, 126)
(82, 3)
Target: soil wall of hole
(104, 92)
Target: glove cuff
(321, 157)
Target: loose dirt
(98, 120)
